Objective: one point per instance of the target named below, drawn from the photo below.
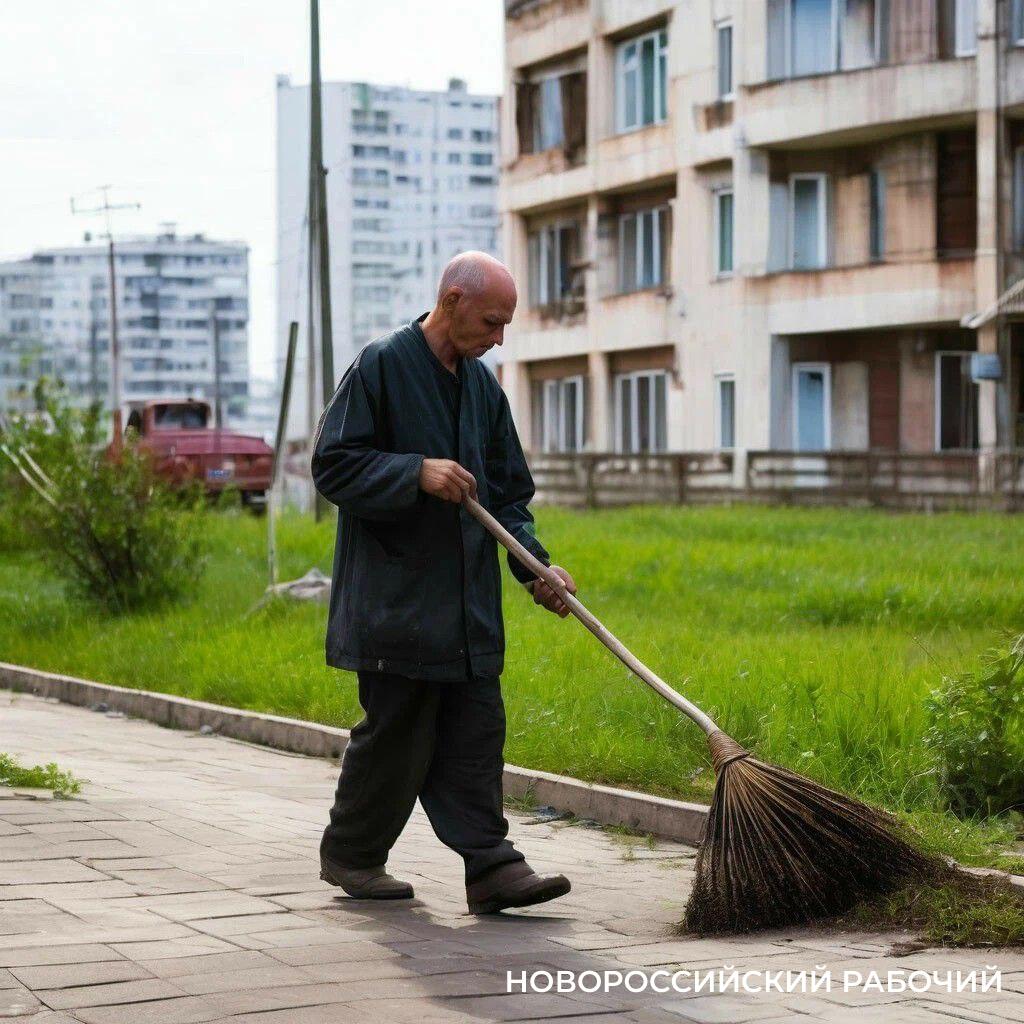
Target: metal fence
(912, 480)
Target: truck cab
(186, 446)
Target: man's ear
(451, 299)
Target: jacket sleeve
(348, 467)
(511, 489)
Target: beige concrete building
(764, 224)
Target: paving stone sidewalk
(181, 887)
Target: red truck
(185, 446)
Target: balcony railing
(909, 480)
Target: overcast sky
(172, 102)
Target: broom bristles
(779, 849)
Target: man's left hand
(548, 598)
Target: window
(641, 243)
(481, 159)
(548, 127)
(641, 411)
(725, 410)
(558, 414)
(956, 402)
(1017, 23)
(482, 135)
(807, 222)
(965, 28)
(642, 81)
(551, 254)
(455, 158)
(724, 34)
(454, 133)
(876, 214)
(813, 37)
(723, 232)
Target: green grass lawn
(812, 634)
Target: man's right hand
(446, 479)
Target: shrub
(109, 526)
(976, 733)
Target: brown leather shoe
(513, 885)
(365, 883)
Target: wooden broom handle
(557, 584)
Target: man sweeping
(417, 423)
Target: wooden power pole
(107, 208)
(319, 304)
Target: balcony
(864, 297)
(857, 106)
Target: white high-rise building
(54, 320)
(412, 180)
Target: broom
(777, 849)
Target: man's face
(478, 321)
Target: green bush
(976, 733)
(110, 527)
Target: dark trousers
(439, 741)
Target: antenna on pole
(106, 207)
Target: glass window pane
(662, 79)
(725, 207)
(660, 412)
(533, 255)
(550, 113)
(647, 67)
(726, 413)
(625, 415)
(537, 417)
(629, 107)
(812, 37)
(876, 226)
(647, 263)
(627, 239)
(569, 399)
(725, 60)
(643, 413)
(806, 224)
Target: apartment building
(55, 320)
(412, 180)
(765, 224)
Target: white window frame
(553, 422)
(658, 219)
(652, 425)
(621, 69)
(937, 388)
(965, 26)
(826, 369)
(837, 14)
(822, 180)
(553, 232)
(721, 25)
(717, 195)
(720, 379)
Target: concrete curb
(670, 819)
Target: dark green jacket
(416, 585)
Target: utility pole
(107, 208)
(218, 416)
(319, 300)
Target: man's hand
(544, 595)
(446, 479)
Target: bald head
(474, 273)
(476, 299)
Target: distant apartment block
(765, 224)
(412, 180)
(55, 320)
